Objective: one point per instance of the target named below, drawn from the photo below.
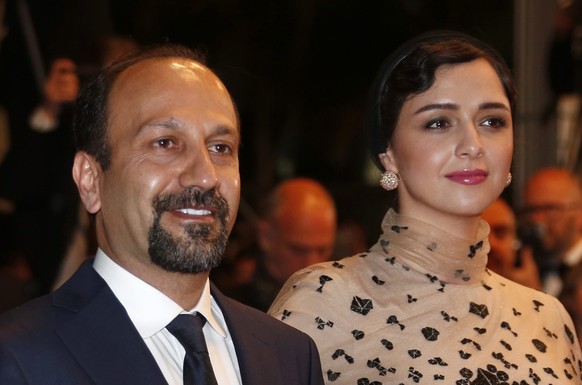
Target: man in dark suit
(553, 207)
(157, 167)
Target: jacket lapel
(101, 336)
(257, 361)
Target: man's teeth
(194, 212)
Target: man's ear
(86, 173)
(388, 160)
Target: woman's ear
(86, 173)
(388, 161)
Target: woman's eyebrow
(453, 106)
(437, 106)
(493, 105)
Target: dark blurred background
(298, 70)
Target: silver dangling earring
(508, 181)
(389, 180)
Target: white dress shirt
(151, 311)
(574, 255)
(553, 283)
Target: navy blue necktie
(187, 329)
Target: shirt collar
(574, 255)
(149, 309)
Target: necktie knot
(187, 329)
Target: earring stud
(508, 181)
(389, 180)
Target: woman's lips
(468, 177)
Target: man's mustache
(192, 197)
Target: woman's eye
(494, 122)
(437, 124)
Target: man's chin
(188, 262)
(187, 254)
(186, 248)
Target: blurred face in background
(503, 236)
(552, 201)
(301, 230)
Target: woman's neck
(462, 226)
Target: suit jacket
(81, 334)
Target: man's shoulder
(44, 314)
(27, 319)
(246, 317)
(262, 340)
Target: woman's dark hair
(411, 69)
(91, 109)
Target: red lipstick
(468, 177)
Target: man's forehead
(181, 67)
(150, 83)
(168, 75)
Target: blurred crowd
(45, 233)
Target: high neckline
(428, 249)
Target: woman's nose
(470, 143)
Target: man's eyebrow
(173, 123)
(169, 123)
(224, 129)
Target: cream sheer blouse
(421, 308)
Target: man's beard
(203, 246)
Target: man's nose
(199, 170)
(537, 217)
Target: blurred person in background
(507, 257)
(37, 194)
(571, 296)
(82, 243)
(297, 229)
(350, 239)
(553, 206)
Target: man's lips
(194, 213)
(193, 205)
(468, 177)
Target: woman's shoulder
(536, 300)
(313, 283)
(344, 267)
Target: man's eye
(164, 143)
(221, 148)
